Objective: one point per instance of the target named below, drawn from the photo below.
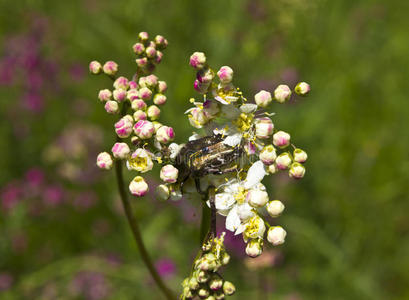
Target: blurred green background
(62, 231)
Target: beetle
(204, 156)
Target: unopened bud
(302, 89)
(121, 83)
(276, 235)
(95, 67)
(123, 127)
(139, 115)
(275, 208)
(151, 81)
(193, 283)
(169, 174)
(138, 48)
(254, 248)
(272, 169)
(160, 42)
(143, 36)
(283, 161)
(119, 95)
(111, 107)
(104, 161)
(229, 288)
(138, 104)
(197, 60)
(158, 57)
(300, 155)
(163, 192)
(162, 86)
(263, 98)
(138, 186)
(297, 171)
(216, 284)
(257, 198)
(205, 76)
(153, 112)
(150, 52)
(203, 293)
(282, 93)
(121, 150)
(145, 93)
(144, 129)
(268, 155)
(159, 99)
(165, 134)
(281, 139)
(264, 127)
(110, 68)
(141, 62)
(225, 74)
(104, 95)
(202, 277)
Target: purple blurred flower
(34, 177)
(166, 267)
(10, 196)
(85, 200)
(53, 195)
(90, 285)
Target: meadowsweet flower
(275, 208)
(104, 161)
(140, 160)
(169, 174)
(276, 235)
(138, 186)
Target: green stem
(137, 234)
(205, 223)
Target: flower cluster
(205, 282)
(141, 139)
(247, 126)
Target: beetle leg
(198, 188)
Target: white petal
(232, 220)
(248, 108)
(194, 137)
(255, 174)
(233, 140)
(221, 100)
(240, 228)
(224, 201)
(189, 110)
(245, 211)
(230, 111)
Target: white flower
(255, 174)
(140, 161)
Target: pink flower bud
(282, 93)
(123, 127)
(197, 60)
(276, 235)
(165, 134)
(283, 161)
(132, 94)
(225, 74)
(104, 95)
(157, 125)
(158, 57)
(111, 107)
(121, 83)
(121, 150)
(268, 155)
(150, 52)
(263, 98)
(159, 99)
(139, 115)
(161, 42)
(143, 36)
(142, 81)
(297, 171)
(169, 174)
(138, 104)
(110, 68)
(95, 67)
(153, 112)
(141, 62)
(300, 155)
(145, 93)
(104, 161)
(151, 81)
(138, 48)
(264, 127)
(281, 139)
(302, 89)
(144, 129)
(133, 85)
(138, 186)
(162, 86)
(119, 95)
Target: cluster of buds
(245, 124)
(205, 282)
(137, 101)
